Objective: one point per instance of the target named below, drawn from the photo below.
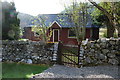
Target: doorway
(55, 35)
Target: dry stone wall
(99, 52)
(102, 51)
(27, 52)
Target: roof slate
(62, 20)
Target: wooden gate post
(59, 53)
(78, 55)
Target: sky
(35, 7)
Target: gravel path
(60, 71)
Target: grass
(103, 33)
(15, 70)
(74, 58)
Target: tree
(77, 14)
(40, 27)
(113, 16)
(10, 22)
(101, 19)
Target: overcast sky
(35, 7)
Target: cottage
(62, 30)
(30, 35)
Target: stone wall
(27, 52)
(102, 51)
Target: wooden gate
(68, 55)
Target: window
(36, 34)
(71, 33)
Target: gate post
(78, 55)
(59, 53)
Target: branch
(102, 9)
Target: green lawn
(15, 70)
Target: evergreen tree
(10, 22)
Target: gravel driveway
(60, 71)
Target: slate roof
(63, 21)
(59, 18)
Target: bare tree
(40, 27)
(77, 14)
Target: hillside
(25, 19)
